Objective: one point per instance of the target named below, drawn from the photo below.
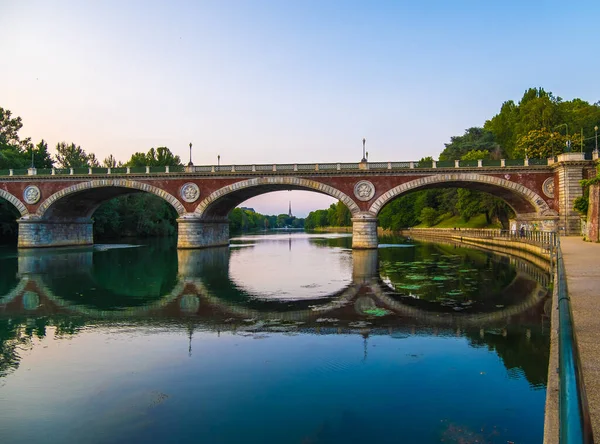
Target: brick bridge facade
(56, 207)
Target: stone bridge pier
(35, 232)
(195, 232)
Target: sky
(284, 81)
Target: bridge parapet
(280, 168)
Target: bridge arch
(219, 203)
(520, 198)
(14, 201)
(92, 193)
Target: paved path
(582, 264)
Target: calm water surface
(284, 338)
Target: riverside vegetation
(535, 127)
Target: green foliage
(245, 219)
(16, 153)
(474, 139)
(581, 205)
(429, 216)
(337, 215)
(476, 155)
(539, 110)
(140, 215)
(160, 156)
(111, 162)
(73, 156)
(542, 143)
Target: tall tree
(474, 138)
(72, 156)
(41, 155)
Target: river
(280, 338)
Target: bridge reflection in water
(364, 327)
(200, 288)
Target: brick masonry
(71, 197)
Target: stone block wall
(364, 231)
(42, 233)
(195, 233)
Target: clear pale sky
(285, 81)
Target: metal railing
(574, 416)
(257, 169)
(547, 240)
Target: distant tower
(290, 210)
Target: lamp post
(218, 160)
(596, 136)
(364, 159)
(190, 164)
(33, 165)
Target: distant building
(248, 209)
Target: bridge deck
(583, 279)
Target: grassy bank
(478, 221)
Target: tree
(160, 156)
(12, 148)
(474, 139)
(73, 156)
(476, 155)
(111, 162)
(41, 156)
(542, 143)
(429, 216)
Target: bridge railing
(283, 168)
(547, 240)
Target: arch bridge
(56, 206)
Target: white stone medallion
(31, 194)
(190, 192)
(548, 187)
(364, 190)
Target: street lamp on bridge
(364, 159)
(190, 164)
(596, 136)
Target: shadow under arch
(520, 198)
(82, 199)
(218, 204)
(19, 206)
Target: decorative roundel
(548, 187)
(364, 190)
(190, 192)
(31, 194)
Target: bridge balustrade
(285, 167)
(302, 167)
(401, 165)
